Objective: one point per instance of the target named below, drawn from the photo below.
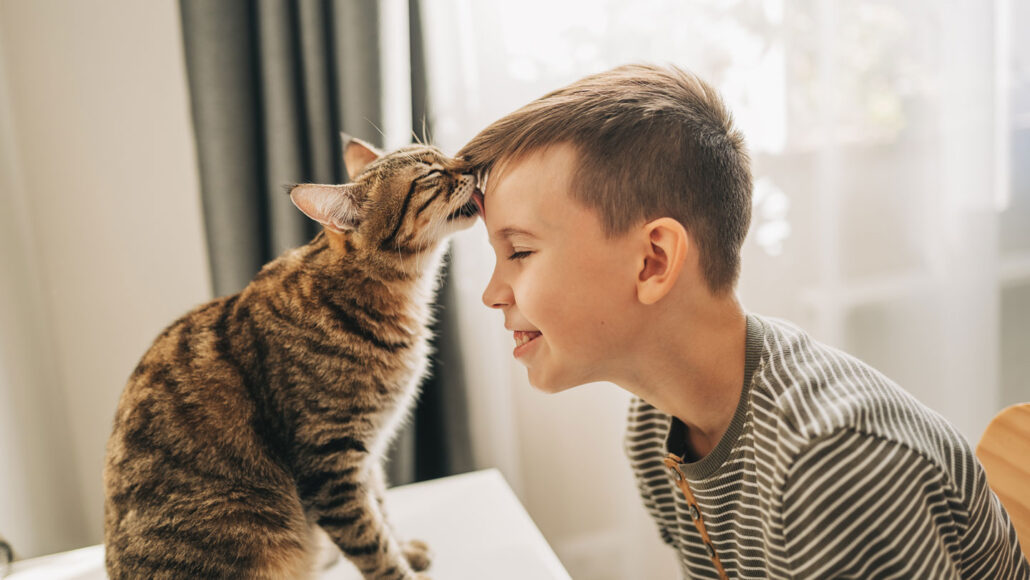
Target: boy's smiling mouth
(524, 340)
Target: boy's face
(566, 290)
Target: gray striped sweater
(828, 470)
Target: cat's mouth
(470, 209)
(474, 206)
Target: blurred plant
(858, 70)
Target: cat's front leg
(415, 551)
(348, 510)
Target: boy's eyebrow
(511, 231)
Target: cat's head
(401, 203)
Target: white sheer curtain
(890, 217)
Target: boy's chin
(551, 390)
(550, 385)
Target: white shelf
(473, 523)
(1013, 269)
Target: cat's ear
(357, 154)
(334, 206)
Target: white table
(473, 522)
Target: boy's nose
(496, 294)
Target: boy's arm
(860, 506)
(651, 505)
(643, 446)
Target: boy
(617, 207)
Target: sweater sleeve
(643, 446)
(860, 506)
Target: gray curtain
(272, 84)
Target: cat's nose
(467, 187)
(467, 180)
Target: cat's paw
(418, 555)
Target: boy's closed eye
(519, 255)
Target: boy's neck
(693, 367)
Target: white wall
(36, 509)
(108, 228)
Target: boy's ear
(666, 252)
(334, 206)
(357, 154)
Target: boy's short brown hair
(651, 141)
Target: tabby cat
(257, 418)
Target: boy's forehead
(510, 216)
(523, 194)
(531, 199)
(547, 169)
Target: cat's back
(192, 381)
(187, 379)
(184, 456)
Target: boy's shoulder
(822, 436)
(818, 387)
(805, 391)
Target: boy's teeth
(524, 336)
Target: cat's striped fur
(259, 415)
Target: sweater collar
(676, 440)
